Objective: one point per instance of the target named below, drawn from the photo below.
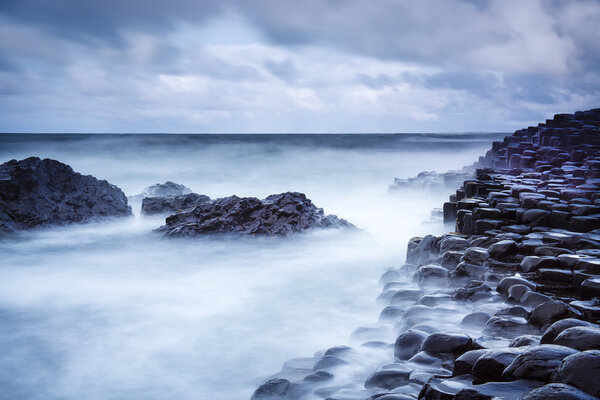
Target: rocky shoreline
(505, 307)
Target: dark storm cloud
(106, 20)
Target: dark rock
(389, 376)
(281, 214)
(534, 299)
(537, 362)
(408, 344)
(444, 344)
(516, 292)
(557, 391)
(464, 364)
(551, 311)
(475, 255)
(582, 370)
(502, 249)
(473, 291)
(550, 251)
(450, 259)
(533, 263)
(580, 338)
(559, 326)
(498, 390)
(514, 311)
(271, 390)
(590, 288)
(589, 308)
(443, 389)
(184, 202)
(507, 282)
(454, 243)
(431, 300)
(35, 192)
(490, 366)
(536, 217)
(525, 340)
(509, 327)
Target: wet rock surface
(506, 307)
(169, 198)
(38, 192)
(281, 214)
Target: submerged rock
(280, 214)
(36, 192)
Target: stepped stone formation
(36, 192)
(281, 214)
(506, 307)
(169, 197)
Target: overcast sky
(295, 65)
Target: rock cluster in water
(36, 192)
(280, 214)
(170, 197)
(507, 307)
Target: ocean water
(111, 310)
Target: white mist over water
(112, 311)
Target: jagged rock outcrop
(280, 214)
(169, 205)
(36, 192)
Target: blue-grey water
(112, 311)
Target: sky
(288, 66)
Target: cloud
(282, 65)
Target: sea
(112, 310)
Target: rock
(453, 243)
(473, 291)
(464, 364)
(318, 376)
(590, 288)
(389, 376)
(524, 341)
(557, 391)
(589, 308)
(271, 390)
(509, 327)
(328, 361)
(184, 202)
(580, 338)
(475, 255)
(491, 364)
(498, 390)
(167, 189)
(514, 311)
(507, 282)
(281, 214)
(408, 344)
(35, 193)
(537, 362)
(559, 326)
(551, 311)
(534, 299)
(391, 313)
(478, 318)
(443, 389)
(516, 292)
(450, 259)
(406, 294)
(582, 370)
(533, 263)
(502, 249)
(536, 217)
(444, 344)
(431, 274)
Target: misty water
(111, 310)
